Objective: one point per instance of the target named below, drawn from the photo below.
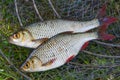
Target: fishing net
(99, 61)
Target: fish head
(20, 37)
(31, 65)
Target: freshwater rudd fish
(60, 49)
(35, 34)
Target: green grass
(90, 65)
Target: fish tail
(105, 20)
(103, 35)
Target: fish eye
(28, 64)
(16, 36)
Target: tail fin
(105, 20)
(103, 35)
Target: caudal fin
(105, 20)
(103, 35)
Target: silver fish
(34, 35)
(58, 50)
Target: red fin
(103, 35)
(102, 11)
(103, 28)
(85, 45)
(70, 58)
(49, 62)
(108, 20)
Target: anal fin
(84, 46)
(70, 58)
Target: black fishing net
(99, 61)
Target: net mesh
(67, 9)
(84, 66)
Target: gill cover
(32, 64)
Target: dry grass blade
(94, 66)
(107, 44)
(54, 9)
(99, 55)
(2, 54)
(37, 11)
(16, 8)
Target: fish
(35, 34)
(60, 49)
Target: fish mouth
(21, 69)
(10, 40)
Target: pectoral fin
(49, 62)
(40, 41)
